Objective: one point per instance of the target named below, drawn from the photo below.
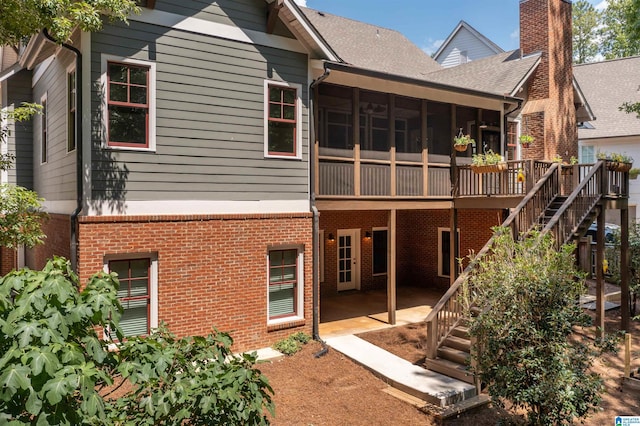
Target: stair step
(451, 369)
(460, 343)
(460, 331)
(453, 354)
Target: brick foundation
(212, 270)
(8, 260)
(57, 229)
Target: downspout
(316, 215)
(79, 188)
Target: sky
(427, 23)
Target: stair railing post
(432, 338)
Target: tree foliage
(527, 292)
(55, 369)
(22, 215)
(618, 35)
(585, 28)
(23, 18)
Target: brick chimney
(549, 112)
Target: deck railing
(448, 312)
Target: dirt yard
(332, 390)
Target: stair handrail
(441, 322)
(585, 197)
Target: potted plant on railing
(461, 141)
(489, 162)
(633, 173)
(526, 140)
(616, 162)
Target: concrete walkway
(424, 384)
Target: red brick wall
(8, 260)
(212, 271)
(416, 244)
(58, 231)
(545, 26)
(418, 241)
(330, 222)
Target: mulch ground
(333, 390)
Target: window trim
(299, 292)
(151, 102)
(297, 154)
(72, 70)
(373, 231)
(44, 130)
(153, 279)
(440, 231)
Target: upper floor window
(282, 123)
(587, 154)
(44, 138)
(129, 103)
(71, 110)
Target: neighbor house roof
(607, 86)
(371, 47)
(462, 25)
(501, 74)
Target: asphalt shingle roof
(371, 47)
(607, 85)
(500, 74)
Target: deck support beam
(624, 268)
(600, 274)
(391, 275)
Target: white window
(129, 103)
(282, 120)
(444, 251)
(587, 154)
(285, 284)
(71, 109)
(44, 130)
(138, 292)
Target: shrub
(527, 292)
(292, 344)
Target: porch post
(391, 114)
(624, 267)
(600, 274)
(425, 149)
(453, 245)
(356, 140)
(391, 275)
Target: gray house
(237, 162)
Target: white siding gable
(463, 47)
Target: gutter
(417, 82)
(316, 217)
(79, 188)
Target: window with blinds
(283, 283)
(133, 294)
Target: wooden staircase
(546, 208)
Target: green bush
(292, 344)
(54, 367)
(527, 293)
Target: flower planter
(525, 144)
(460, 148)
(489, 168)
(619, 167)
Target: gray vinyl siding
(54, 180)
(247, 14)
(209, 120)
(464, 41)
(20, 141)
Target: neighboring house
(234, 161)
(514, 73)
(608, 85)
(464, 44)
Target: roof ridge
(322, 13)
(607, 61)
